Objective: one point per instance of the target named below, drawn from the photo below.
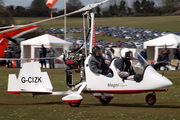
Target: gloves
(104, 72)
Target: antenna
(163, 73)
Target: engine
(73, 61)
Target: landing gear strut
(151, 98)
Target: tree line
(115, 8)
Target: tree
(5, 15)
(38, 8)
(137, 6)
(143, 6)
(98, 10)
(1, 5)
(170, 3)
(73, 5)
(19, 11)
(10, 8)
(122, 7)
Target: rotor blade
(86, 8)
(91, 6)
(11, 39)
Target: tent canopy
(30, 48)
(153, 46)
(46, 40)
(171, 40)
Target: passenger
(124, 67)
(97, 62)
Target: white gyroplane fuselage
(32, 80)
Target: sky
(59, 5)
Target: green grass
(161, 23)
(122, 107)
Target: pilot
(97, 62)
(124, 67)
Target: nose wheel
(75, 104)
(151, 99)
(105, 101)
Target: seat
(174, 62)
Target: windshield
(139, 63)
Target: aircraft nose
(166, 82)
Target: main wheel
(75, 104)
(150, 99)
(104, 101)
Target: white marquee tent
(30, 48)
(155, 46)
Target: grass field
(161, 23)
(122, 107)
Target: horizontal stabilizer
(13, 85)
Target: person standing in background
(17, 53)
(176, 52)
(112, 50)
(176, 55)
(42, 54)
(165, 53)
(51, 53)
(9, 54)
(144, 54)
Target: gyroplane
(32, 80)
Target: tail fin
(30, 80)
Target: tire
(105, 101)
(75, 104)
(150, 99)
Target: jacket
(98, 65)
(124, 68)
(42, 52)
(17, 52)
(176, 53)
(9, 54)
(165, 52)
(143, 54)
(51, 52)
